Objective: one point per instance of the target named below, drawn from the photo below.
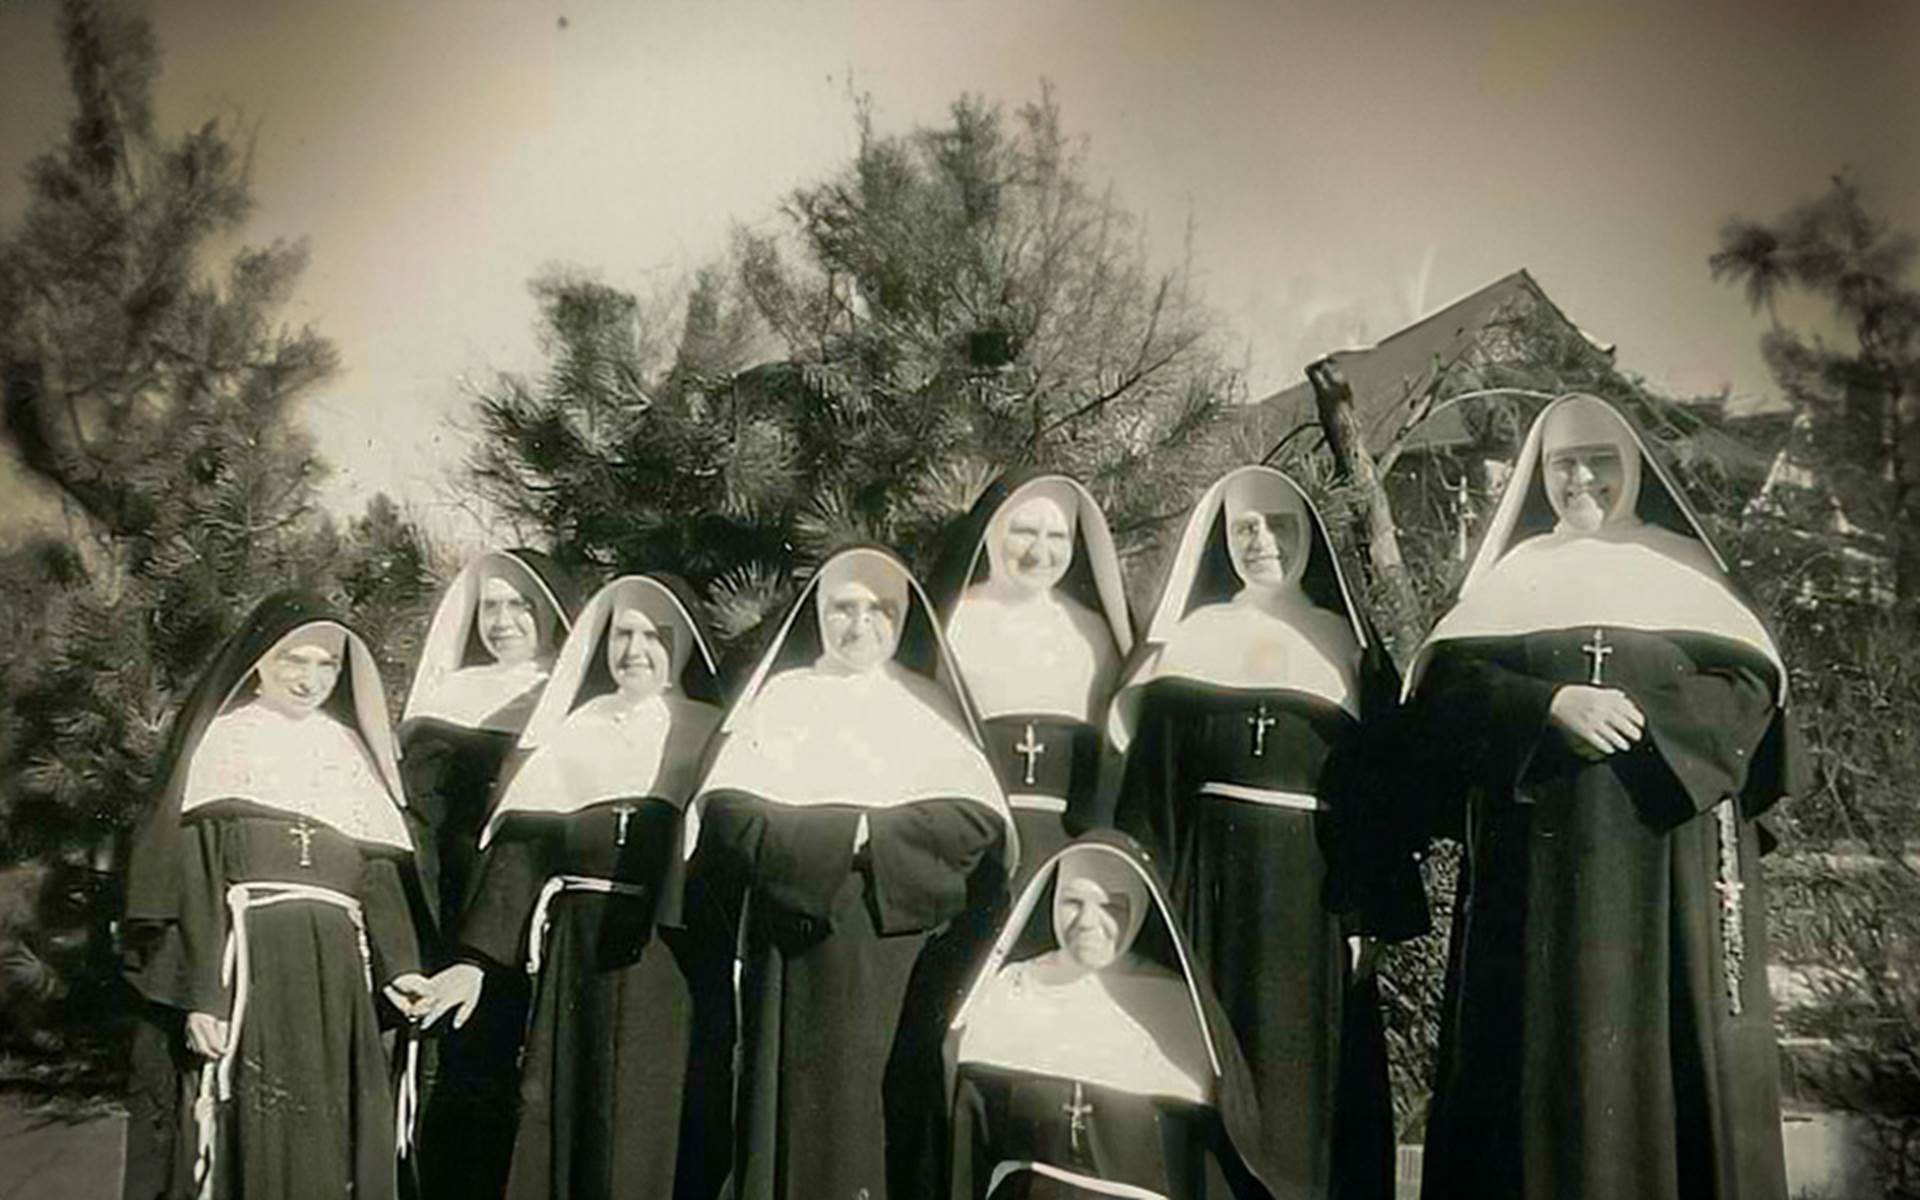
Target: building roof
(1389, 376)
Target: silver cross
(1079, 1110)
(1031, 748)
(303, 833)
(622, 813)
(1260, 723)
(1597, 650)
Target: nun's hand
(206, 1035)
(1363, 955)
(1596, 721)
(455, 990)
(409, 993)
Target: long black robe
(842, 1003)
(1002, 1116)
(1589, 1046)
(627, 1068)
(312, 1114)
(1251, 884)
(172, 939)
(469, 1075)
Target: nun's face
(1037, 548)
(861, 627)
(639, 654)
(1260, 543)
(509, 625)
(1088, 921)
(1584, 484)
(298, 676)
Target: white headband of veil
(1085, 522)
(454, 618)
(1112, 860)
(1115, 876)
(1181, 572)
(657, 603)
(1690, 593)
(210, 780)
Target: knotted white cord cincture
(537, 930)
(216, 1077)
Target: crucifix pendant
(622, 813)
(1260, 722)
(1030, 749)
(1078, 1110)
(1597, 651)
(303, 833)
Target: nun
(483, 664)
(850, 798)
(1036, 612)
(625, 1079)
(1240, 717)
(266, 903)
(1090, 1058)
(1601, 719)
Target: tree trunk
(1334, 398)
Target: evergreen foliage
(1857, 398)
(154, 395)
(1834, 550)
(955, 301)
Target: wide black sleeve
(202, 928)
(1474, 722)
(793, 858)
(1373, 848)
(1705, 723)
(493, 927)
(390, 932)
(1150, 779)
(922, 855)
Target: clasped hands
(1596, 721)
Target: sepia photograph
(959, 600)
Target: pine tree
(157, 398)
(1857, 400)
(955, 301)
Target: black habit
(282, 910)
(846, 978)
(626, 1073)
(1048, 754)
(451, 757)
(1607, 1031)
(1035, 1118)
(1238, 774)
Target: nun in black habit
(1090, 1058)
(849, 798)
(266, 904)
(1243, 718)
(1601, 719)
(625, 1077)
(1032, 601)
(483, 664)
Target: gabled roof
(1389, 375)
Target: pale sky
(1347, 166)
